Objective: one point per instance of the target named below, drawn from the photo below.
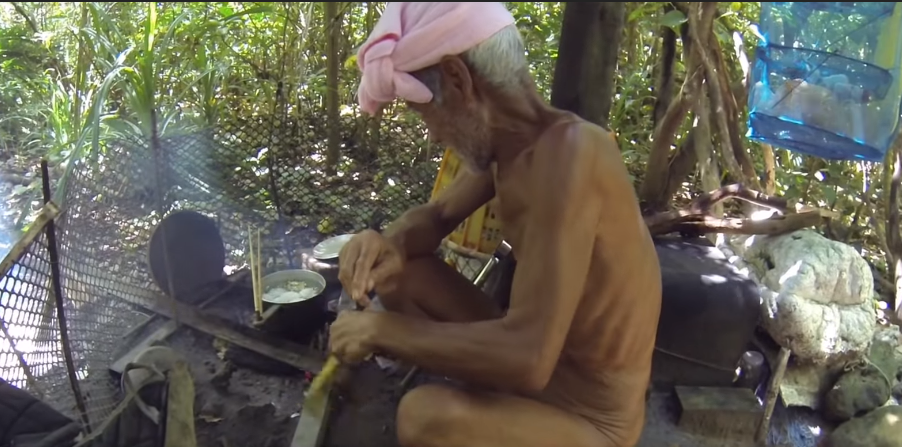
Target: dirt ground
(242, 399)
(238, 406)
(364, 415)
(257, 402)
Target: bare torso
(605, 364)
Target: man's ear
(457, 78)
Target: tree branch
(703, 224)
(22, 12)
(694, 218)
(701, 206)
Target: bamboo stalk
(252, 261)
(259, 259)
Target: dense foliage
(75, 74)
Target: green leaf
(830, 195)
(673, 19)
(644, 10)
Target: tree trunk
(708, 169)
(664, 80)
(653, 193)
(333, 31)
(893, 240)
(587, 59)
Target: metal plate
(329, 248)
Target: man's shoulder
(576, 146)
(573, 137)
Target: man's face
(464, 129)
(459, 120)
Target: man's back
(605, 363)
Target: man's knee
(429, 415)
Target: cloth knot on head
(382, 83)
(411, 36)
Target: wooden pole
(773, 392)
(57, 289)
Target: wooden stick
(118, 365)
(56, 286)
(311, 428)
(276, 348)
(49, 212)
(773, 392)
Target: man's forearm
(481, 352)
(418, 232)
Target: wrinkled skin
(568, 364)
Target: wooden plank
(290, 353)
(311, 428)
(719, 412)
(170, 327)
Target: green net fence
(270, 172)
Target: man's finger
(362, 271)
(363, 301)
(346, 260)
(383, 271)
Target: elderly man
(568, 363)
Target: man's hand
(352, 335)
(368, 261)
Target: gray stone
(805, 385)
(856, 393)
(725, 413)
(886, 350)
(817, 295)
(812, 267)
(879, 428)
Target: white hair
(500, 60)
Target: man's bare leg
(430, 288)
(438, 416)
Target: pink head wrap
(411, 36)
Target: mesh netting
(30, 348)
(265, 172)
